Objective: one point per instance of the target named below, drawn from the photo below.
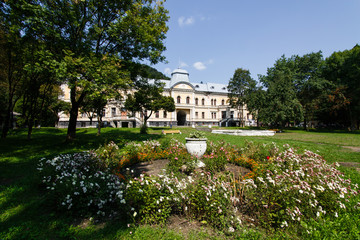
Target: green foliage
(342, 69)
(109, 156)
(76, 182)
(148, 99)
(86, 41)
(147, 201)
(241, 85)
(197, 134)
(282, 105)
(297, 187)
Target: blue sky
(210, 39)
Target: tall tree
(12, 26)
(309, 83)
(282, 105)
(342, 69)
(256, 104)
(148, 99)
(240, 86)
(82, 33)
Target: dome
(179, 75)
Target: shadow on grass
(25, 209)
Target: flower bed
(283, 187)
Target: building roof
(181, 75)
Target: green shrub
(76, 184)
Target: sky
(212, 38)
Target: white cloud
(167, 71)
(186, 21)
(199, 66)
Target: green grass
(25, 213)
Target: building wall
(212, 108)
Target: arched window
(196, 101)
(178, 99)
(214, 102)
(187, 100)
(223, 102)
(203, 101)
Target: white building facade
(197, 104)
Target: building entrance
(181, 118)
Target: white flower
(231, 229)
(135, 213)
(284, 224)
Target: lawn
(25, 212)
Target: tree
(282, 105)
(342, 69)
(256, 103)
(148, 99)
(11, 63)
(38, 83)
(240, 86)
(310, 85)
(82, 33)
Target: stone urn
(196, 146)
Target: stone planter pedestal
(196, 146)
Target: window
(103, 112)
(223, 102)
(187, 100)
(178, 99)
(214, 102)
(157, 115)
(196, 101)
(213, 115)
(113, 112)
(196, 115)
(203, 101)
(203, 115)
(165, 114)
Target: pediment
(186, 86)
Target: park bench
(170, 131)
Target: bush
(109, 156)
(297, 187)
(76, 183)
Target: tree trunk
(71, 132)
(6, 124)
(30, 128)
(99, 118)
(305, 123)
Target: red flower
(267, 157)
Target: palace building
(197, 104)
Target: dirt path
(354, 149)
